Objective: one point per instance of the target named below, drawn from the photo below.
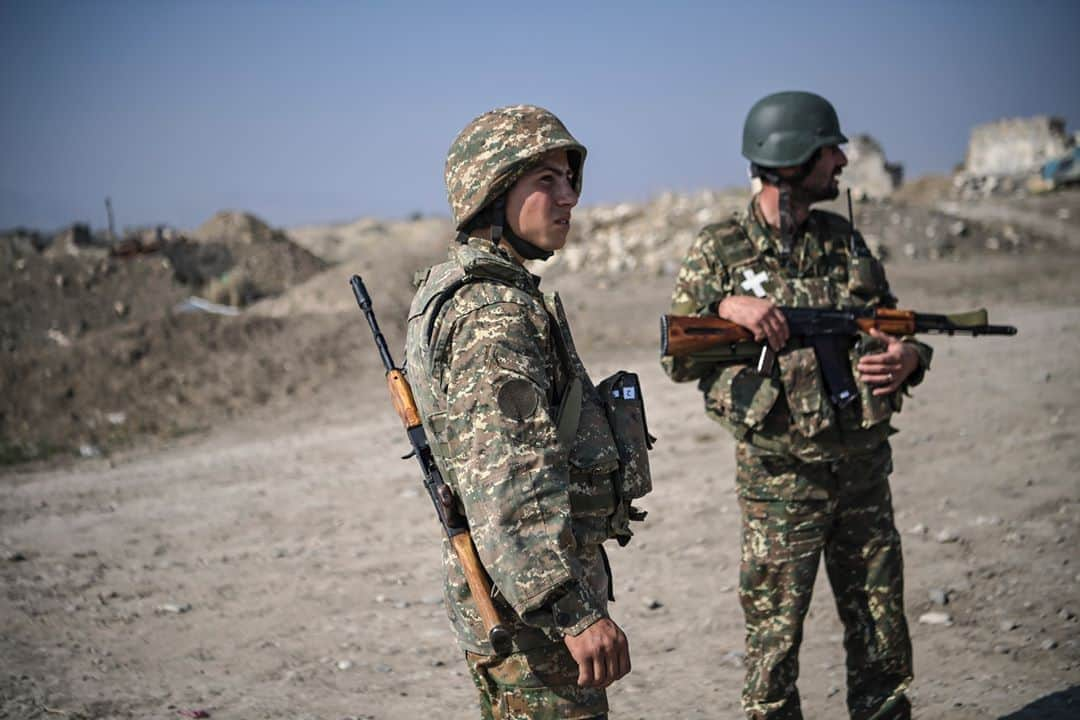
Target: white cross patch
(753, 282)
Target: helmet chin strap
(783, 203)
(787, 221)
(784, 187)
(501, 230)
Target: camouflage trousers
(538, 684)
(843, 509)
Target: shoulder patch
(518, 399)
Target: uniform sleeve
(699, 288)
(510, 471)
(924, 351)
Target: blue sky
(326, 111)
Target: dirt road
(286, 565)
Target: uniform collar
(480, 252)
(766, 237)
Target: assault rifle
(829, 332)
(454, 523)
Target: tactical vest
(832, 276)
(574, 404)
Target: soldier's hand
(758, 315)
(887, 370)
(602, 653)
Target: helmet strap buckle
(787, 220)
(500, 230)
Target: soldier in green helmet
(811, 477)
(517, 426)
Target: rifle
(453, 521)
(827, 331)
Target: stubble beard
(830, 190)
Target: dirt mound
(98, 354)
(338, 243)
(238, 259)
(90, 333)
(388, 267)
(55, 300)
(163, 377)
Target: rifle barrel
(971, 323)
(364, 301)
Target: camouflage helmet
(495, 149)
(786, 128)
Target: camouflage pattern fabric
(496, 148)
(489, 358)
(811, 478)
(537, 685)
(782, 542)
(787, 412)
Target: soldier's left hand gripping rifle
(453, 521)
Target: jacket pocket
(741, 396)
(866, 278)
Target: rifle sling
(572, 391)
(569, 413)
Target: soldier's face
(538, 205)
(823, 181)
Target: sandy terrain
(249, 544)
(286, 566)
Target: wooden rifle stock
(453, 522)
(479, 584)
(685, 334)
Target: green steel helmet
(495, 149)
(786, 128)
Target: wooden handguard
(402, 397)
(890, 322)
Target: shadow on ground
(1063, 705)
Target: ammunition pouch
(620, 395)
(866, 277)
(875, 408)
(593, 461)
(740, 399)
(866, 280)
(807, 398)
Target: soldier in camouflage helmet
(811, 477)
(517, 426)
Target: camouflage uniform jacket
(789, 412)
(490, 359)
